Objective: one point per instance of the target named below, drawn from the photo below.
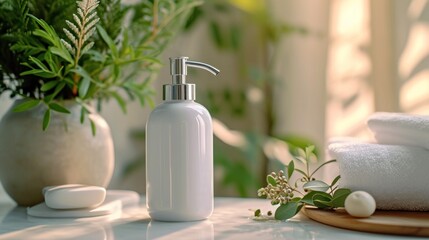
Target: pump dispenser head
(179, 89)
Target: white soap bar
(115, 201)
(73, 196)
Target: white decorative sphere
(360, 204)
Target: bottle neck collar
(182, 92)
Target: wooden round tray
(388, 222)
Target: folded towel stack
(400, 129)
(395, 170)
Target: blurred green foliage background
(244, 150)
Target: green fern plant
(100, 50)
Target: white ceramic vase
(67, 152)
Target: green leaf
(63, 53)
(84, 86)
(116, 72)
(49, 85)
(301, 154)
(58, 89)
(322, 196)
(301, 159)
(299, 208)
(340, 197)
(316, 185)
(235, 37)
(322, 200)
(335, 180)
(309, 150)
(196, 14)
(48, 32)
(40, 73)
(150, 102)
(258, 212)
(271, 180)
(322, 204)
(28, 104)
(295, 142)
(125, 48)
(83, 111)
(43, 34)
(39, 63)
(286, 211)
(217, 35)
(93, 127)
(52, 65)
(58, 108)
(290, 169)
(96, 56)
(82, 72)
(308, 198)
(341, 191)
(140, 59)
(46, 119)
(120, 101)
(108, 41)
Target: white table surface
(230, 220)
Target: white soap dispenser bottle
(179, 151)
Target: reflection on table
(230, 220)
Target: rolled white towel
(400, 129)
(396, 176)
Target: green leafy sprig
(102, 50)
(281, 189)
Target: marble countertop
(231, 220)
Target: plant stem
(268, 108)
(155, 18)
(166, 19)
(267, 88)
(307, 165)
